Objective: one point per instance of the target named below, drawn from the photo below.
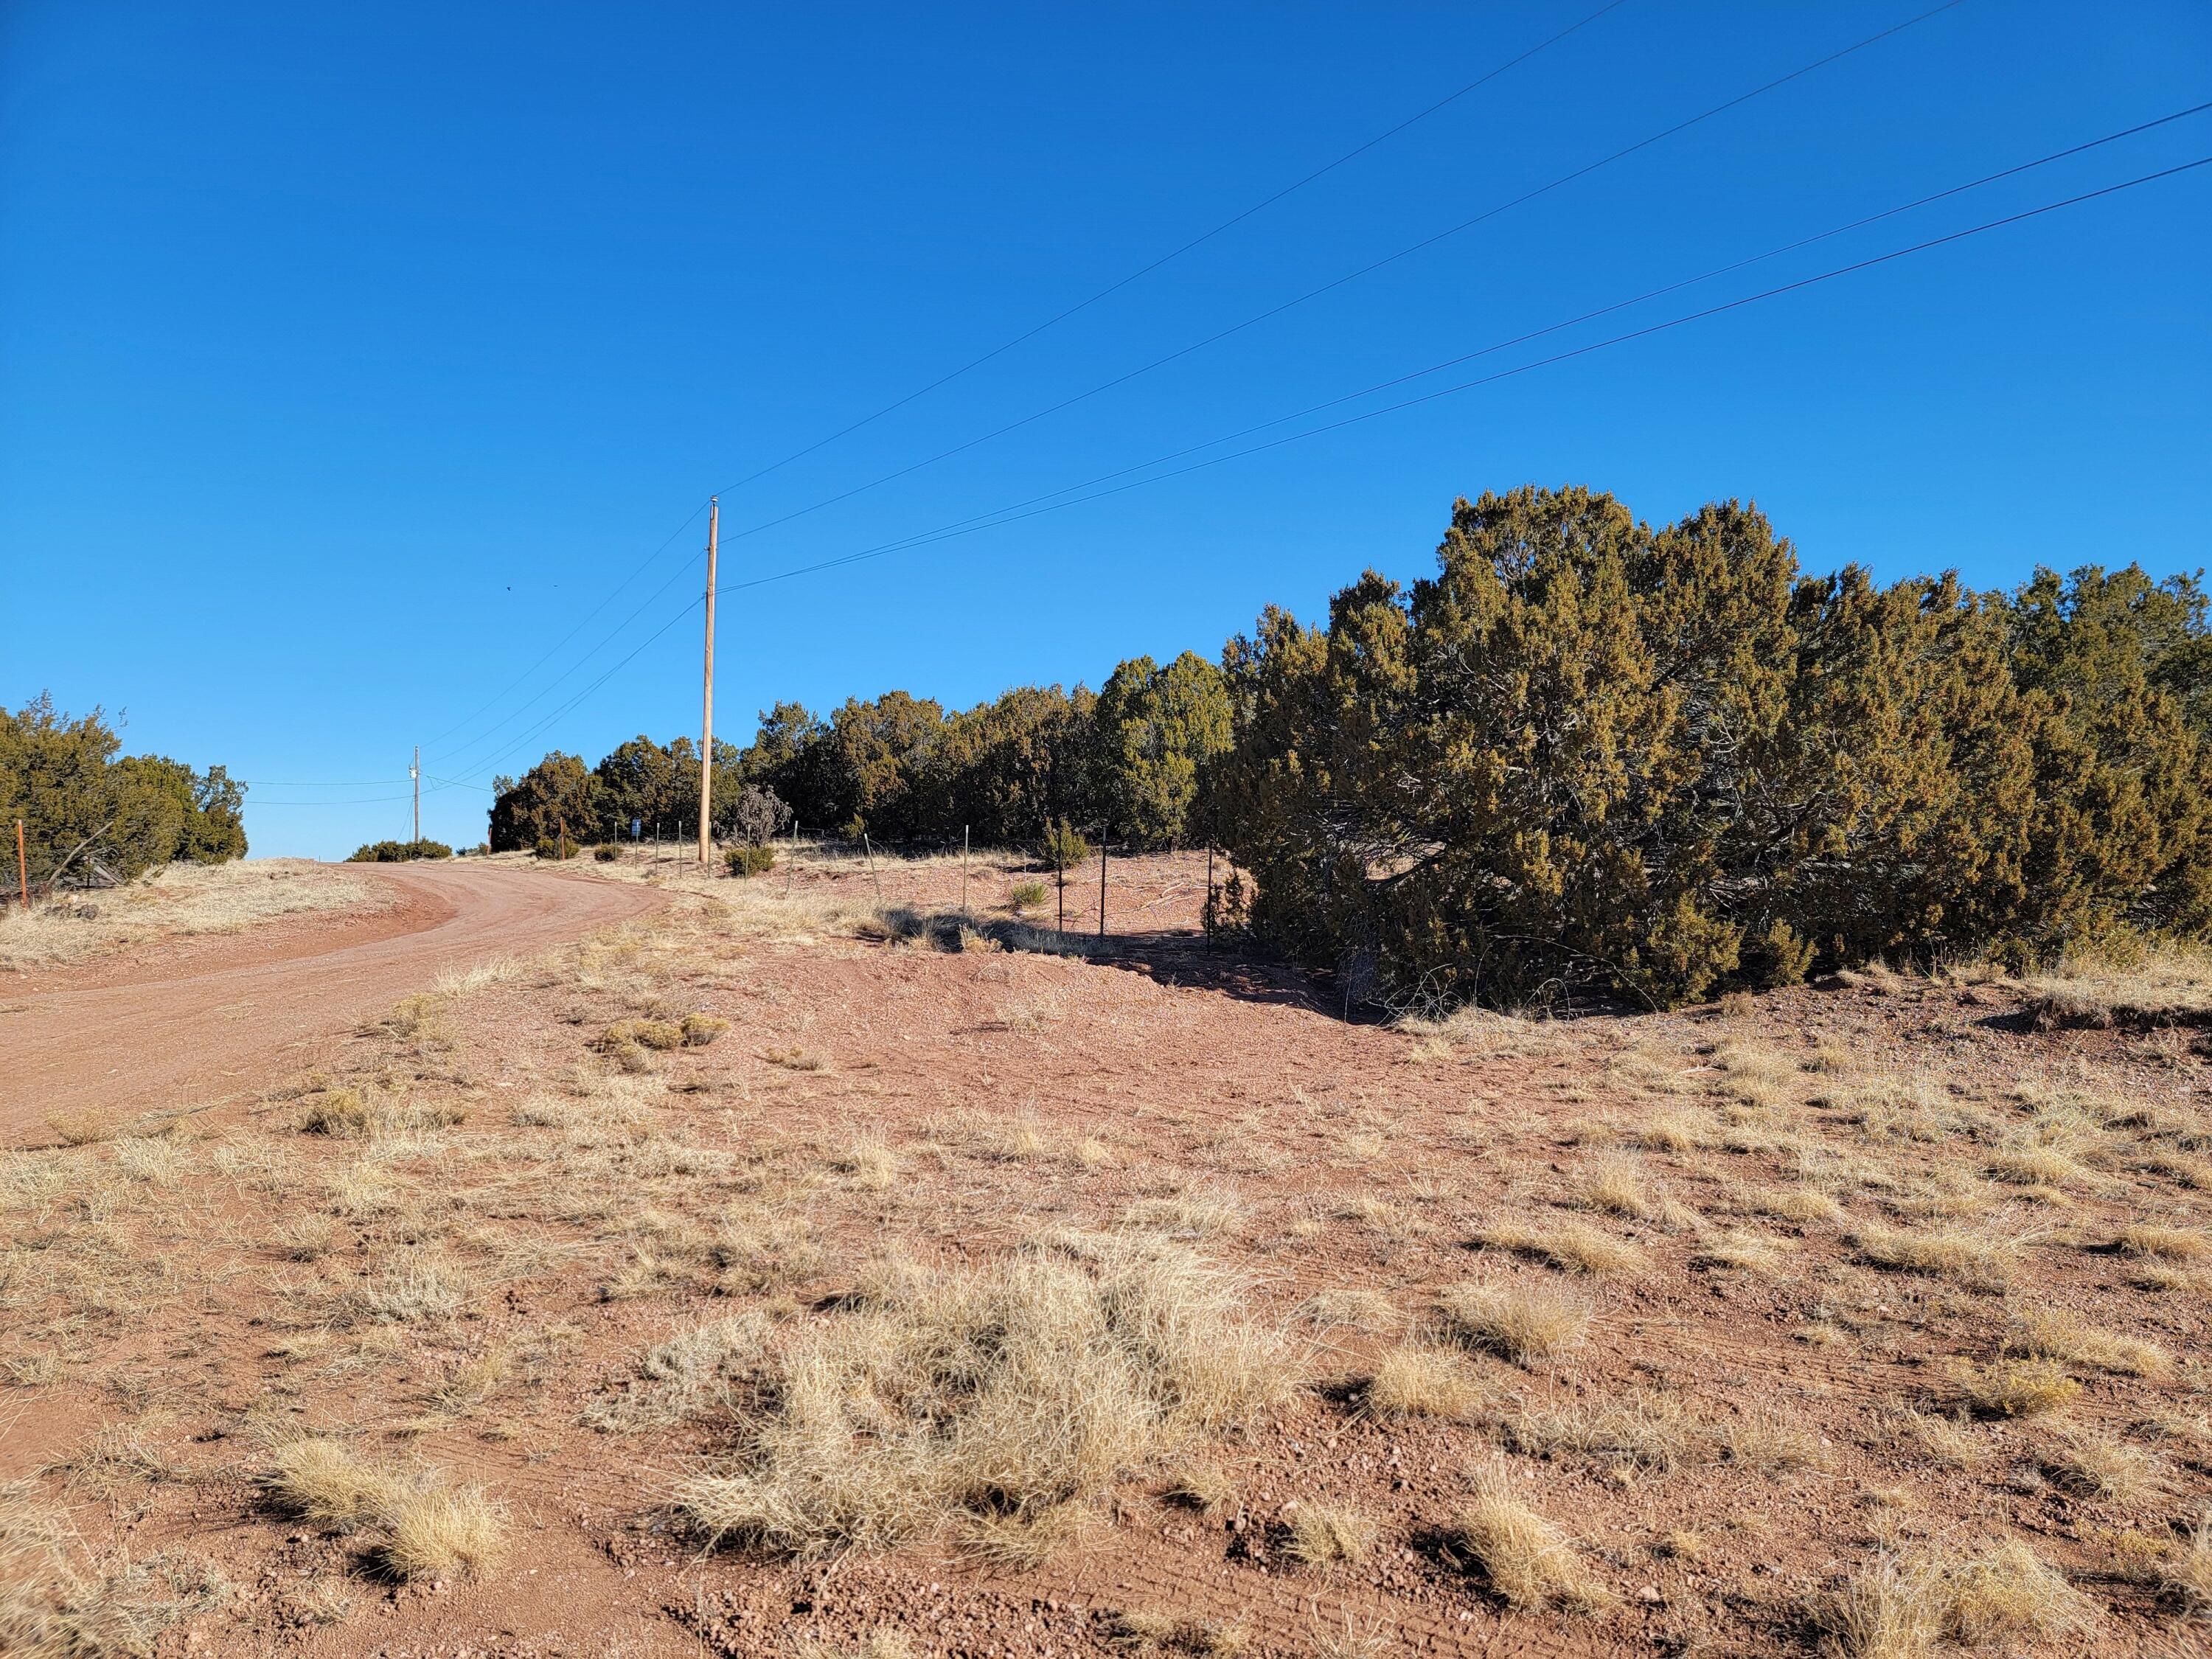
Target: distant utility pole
(707, 720)
(415, 773)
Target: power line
(1606, 310)
(1160, 362)
(966, 527)
(1173, 254)
(1050, 322)
(1016, 512)
(1334, 283)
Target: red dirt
(1200, 1073)
(170, 1029)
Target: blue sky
(349, 356)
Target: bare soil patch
(949, 1299)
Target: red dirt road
(146, 1033)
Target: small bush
(1064, 847)
(659, 1034)
(700, 1029)
(747, 862)
(552, 846)
(1027, 896)
(607, 853)
(398, 852)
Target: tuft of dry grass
(1907, 1608)
(2186, 1572)
(2138, 985)
(2095, 1465)
(1761, 1254)
(2052, 1333)
(2018, 1388)
(1571, 1246)
(424, 1527)
(1412, 1381)
(1527, 1561)
(326, 1483)
(1972, 1258)
(1520, 1322)
(1616, 1186)
(2162, 1243)
(1146, 1630)
(432, 1530)
(1320, 1533)
(991, 1397)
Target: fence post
(963, 869)
(1101, 884)
(869, 848)
(23, 870)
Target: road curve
(139, 1036)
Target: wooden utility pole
(415, 773)
(707, 720)
(23, 870)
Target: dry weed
(1570, 1245)
(1520, 1322)
(995, 1394)
(1527, 1560)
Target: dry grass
(2165, 1243)
(57, 1601)
(1905, 1608)
(1616, 1186)
(2054, 1333)
(423, 1526)
(1634, 1429)
(1520, 1322)
(176, 901)
(1527, 1561)
(2186, 1573)
(2139, 984)
(1411, 1381)
(1971, 1258)
(2093, 1465)
(991, 1397)
(1145, 1630)
(1320, 1533)
(2018, 1388)
(1571, 1246)
(1761, 1254)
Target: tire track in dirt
(145, 1035)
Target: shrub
(398, 852)
(1660, 762)
(607, 852)
(750, 860)
(1063, 847)
(1027, 896)
(553, 846)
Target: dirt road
(139, 1035)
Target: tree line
(902, 770)
(1589, 754)
(94, 816)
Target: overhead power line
(975, 526)
(968, 527)
(1350, 276)
(1607, 310)
(1051, 322)
(1173, 254)
(1555, 184)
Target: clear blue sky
(350, 355)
